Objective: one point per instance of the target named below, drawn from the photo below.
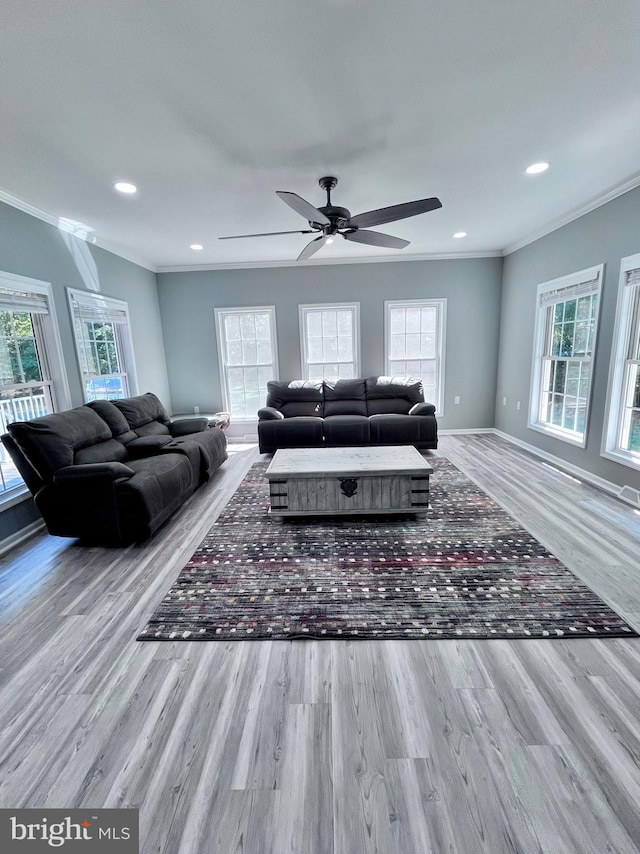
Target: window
(329, 341)
(414, 344)
(103, 343)
(247, 355)
(564, 344)
(32, 377)
(621, 439)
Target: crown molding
(555, 224)
(84, 233)
(89, 236)
(252, 265)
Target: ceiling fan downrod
(338, 216)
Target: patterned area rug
(469, 571)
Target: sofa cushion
(346, 430)
(145, 415)
(392, 394)
(102, 452)
(302, 432)
(394, 429)
(296, 398)
(116, 421)
(53, 441)
(345, 397)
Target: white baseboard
(458, 431)
(20, 536)
(624, 493)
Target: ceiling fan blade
(265, 234)
(375, 238)
(311, 248)
(395, 212)
(305, 209)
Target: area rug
(468, 571)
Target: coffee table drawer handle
(349, 487)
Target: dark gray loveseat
(371, 411)
(112, 472)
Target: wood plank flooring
(327, 747)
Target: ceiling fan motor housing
(339, 218)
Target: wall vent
(630, 495)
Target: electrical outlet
(518, 405)
(456, 399)
(196, 410)
(504, 401)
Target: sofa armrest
(91, 473)
(147, 446)
(269, 413)
(422, 409)
(188, 425)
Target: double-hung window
(564, 345)
(247, 355)
(622, 429)
(329, 341)
(415, 344)
(32, 377)
(104, 346)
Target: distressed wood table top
(370, 460)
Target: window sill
(622, 457)
(14, 497)
(577, 441)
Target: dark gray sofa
(371, 411)
(112, 472)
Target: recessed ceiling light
(536, 168)
(196, 246)
(460, 234)
(125, 187)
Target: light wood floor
(330, 747)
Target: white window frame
(440, 305)
(305, 309)
(124, 344)
(220, 314)
(591, 279)
(52, 360)
(626, 326)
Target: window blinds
(580, 289)
(633, 278)
(633, 281)
(17, 301)
(98, 309)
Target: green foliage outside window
(18, 353)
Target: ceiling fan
(330, 221)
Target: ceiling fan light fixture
(329, 238)
(125, 187)
(537, 168)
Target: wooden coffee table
(333, 481)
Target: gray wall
(605, 235)
(30, 247)
(490, 319)
(471, 286)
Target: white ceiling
(210, 106)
